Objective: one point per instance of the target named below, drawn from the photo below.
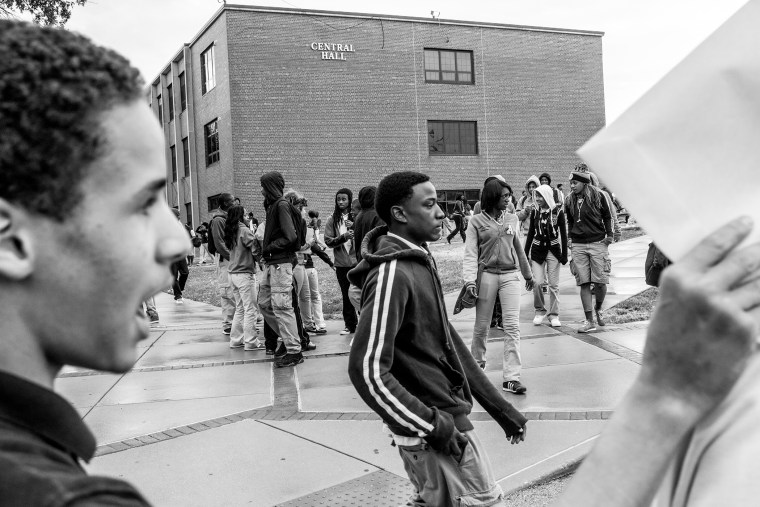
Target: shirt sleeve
(332, 238)
(470, 260)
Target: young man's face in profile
(424, 216)
(92, 272)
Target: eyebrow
(151, 188)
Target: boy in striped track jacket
(409, 364)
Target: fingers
(714, 248)
(734, 268)
(746, 296)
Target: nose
(173, 242)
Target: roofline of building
(358, 15)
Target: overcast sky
(643, 38)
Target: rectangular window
(170, 103)
(452, 137)
(208, 73)
(447, 198)
(160, 103)
(173, 151)
(446, 66)
(186, 157)
(189, 213)
(211, 134)
(182, 92)
(213, 202)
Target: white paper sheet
(685, 158)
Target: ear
(398, 214)
(16, 258)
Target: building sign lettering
(332, 51)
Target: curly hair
(55, 85)
(395, 189)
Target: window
(160, 103)
(186, 157)
(208, 73)
(173, 151)
(213, 202)
(444, 66)
(189, 213)
(447, 198)
(452, 137)
(182, 93)
(211, 133)
(170, 103)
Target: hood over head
(548, 194)
(367, 197)
(377, 247)
(273, 184)
(534, 179)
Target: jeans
(245, 291)
(508, 287)
(225, 291)
(459, 222)
(180, 272)
(302, 290)
(349, 314)
(276, 304)
(552, 266)
(315, 298)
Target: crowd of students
(82, 172)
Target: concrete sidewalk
(197, 423)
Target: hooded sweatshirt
(547, 231)
(407, 361)
(525, 201)
(280, 238)
(366, 220)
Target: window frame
(213, 199)
(446, 153)
(212, 157)
(182, 92)
(160, 107)
(440, 70)
(173, 155)
(186, 156)
(170, 103)
(208, 72)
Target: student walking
(590, 230)
(527, 203)
(202, 232)
(180, 271)
(546, 247)
(493, 258)
(339, 235)
(239, 240)
(409, 364)
(458, 217)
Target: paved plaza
(198, 423)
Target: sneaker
(269, 352)
(236, 345)
(179, 301)
(538, 319)
(514, 386)
(321, 330)
(289, 360)
(257, 345)
(310, 329)
(153, 317)
(308, 346)
(554, 321)
(345, 331)
(587, 327)
(281, 351)
(598, 314)
(227, 330)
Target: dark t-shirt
(42, 439)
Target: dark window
(446, 66)
(452, 137)
(213, 202)
(170, 103)
(208, 73)
(447, 198)
(182, 92)
(160, 103)
(186, 157)
(189, 213)
(173, 151)
(211, 133)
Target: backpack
(654, 264)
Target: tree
(45, 12)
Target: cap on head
(582, 177)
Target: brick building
(334, 99)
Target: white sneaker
(345, 331)
(538, 319)
(179, 301)
(554, 321)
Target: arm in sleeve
(531, 233)
(247, 238)
(217, 236)
(384, 298)
(470, 259)
(289, 237)
(606, 216)
(508, 417)
(332, 238)
(527, 273)
(562, 226)
(322, 255)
